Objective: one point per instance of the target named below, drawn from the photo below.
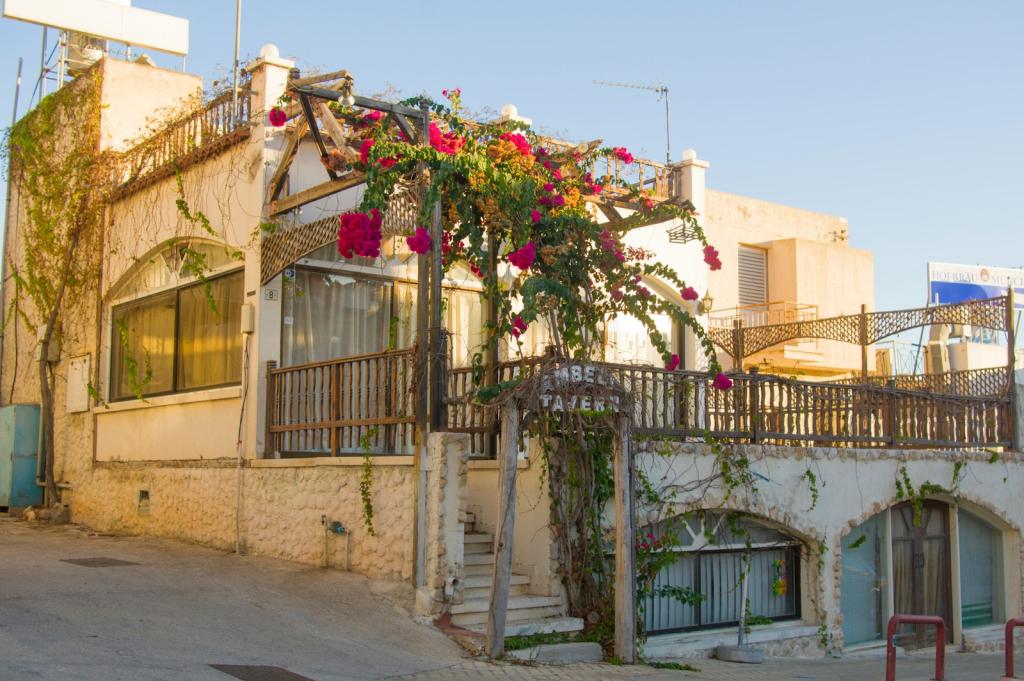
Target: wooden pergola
(312, 118)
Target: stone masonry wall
(281, 509)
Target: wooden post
(864, 342)
(271, 395)
(737, 345)
(625, 552)
(1011, 361)
(500, 581)
(423, 316)
(753, 404)
(491, 355)
(890, 384)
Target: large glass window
(177, 340)
(714, 569)
(980, 571)
(864, 582)
(334, 314)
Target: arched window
(711, 550)
(176, 323)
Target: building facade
(194, 400)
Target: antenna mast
(662, 91)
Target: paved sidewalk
(175, 609)
(959, 667)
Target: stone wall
(853, 486)
(282, 503)
(446, 466)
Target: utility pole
(662, 91)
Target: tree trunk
(45, 390)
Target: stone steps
(479, 586)
(546, 625)
(519, 608)
(478, 562)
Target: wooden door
(922, 583)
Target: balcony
(763, 314)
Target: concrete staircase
(527, 614)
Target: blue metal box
(19, 438)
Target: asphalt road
(181, 608)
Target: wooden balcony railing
(186, 140)
(366, 404)
(351, 405)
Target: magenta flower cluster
(711, 258)
(419, 241)
(523, 258)
(359, 234)
(520, 142)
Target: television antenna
(662, 91)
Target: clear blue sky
(907, 118)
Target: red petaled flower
(277, 117)
(445, 142)
(711, 258)
(364, 151)
(359, 234)
(518, 326)
(622, 154)
(722, 382)
(524, 257)
(535, 215)
(673, 363)
(520, 142)
(419, 242)
(689, 293)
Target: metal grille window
(753, 276)
(714, 569)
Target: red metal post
(1008, 644)
(940, 643)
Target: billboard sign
(113, 20)
(948, 283)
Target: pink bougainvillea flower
(523, 258)
(476, 270)
(711, 258)
(622, 154)
(359, 234)
(673, 363)
(519, 326)
(541, 152)
(644, 292)
(419, 241)
(648, 203)
(616, 293)
(364, 151)
(520, 142)
(722, 382)
(557, 174)
(445, 142)
(387, 162)
(689, 293)
(550, 188)
(536, 215)
(277, 117)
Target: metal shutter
(753, 277)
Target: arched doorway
(922, 581)
(930, 558)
